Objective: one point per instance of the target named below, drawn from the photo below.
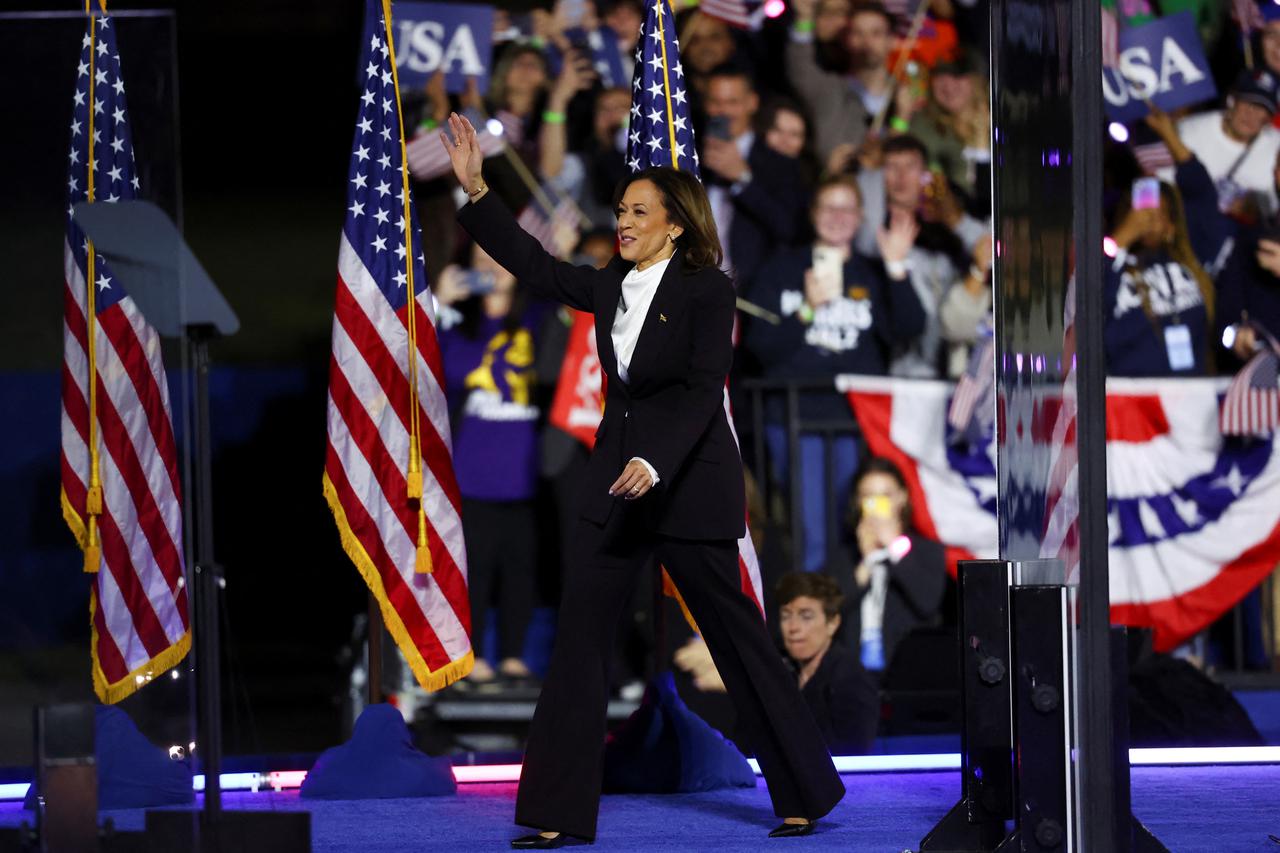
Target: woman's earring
(671, 238)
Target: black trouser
(502, 557)
(560, 782)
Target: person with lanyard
(893, 577)
(1158, 298)
(1238, 146)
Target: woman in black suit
(665, 478)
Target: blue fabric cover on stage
(379, 762)
(133, 773)
(664, 748)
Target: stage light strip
(468, 773)
(282, 780)
(1179, 756)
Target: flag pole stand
(178, 299)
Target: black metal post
(1095, 727)
(208, 585)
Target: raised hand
(896, 241)
(464, 153)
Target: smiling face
(1246, 119)
(645, 232)
(806, 630)
(836, 216)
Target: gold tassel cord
(413, 478)
(93, 498)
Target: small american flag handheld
(1252, 404)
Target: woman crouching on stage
(665, 478)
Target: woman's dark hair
(878, 465)
(498, 79)
(685, 201)
(813, 585)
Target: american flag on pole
(661, 134)
(388, 468)
(1252, 403)
(121, 495)
(661, 131)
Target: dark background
(252, 161)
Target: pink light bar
(464, 774)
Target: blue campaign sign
(1162, 62)
(454, 36)
(602, 46)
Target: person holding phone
(756, 194)
(840, 313)
(1158, 298)
(664, 479)
(893, 577)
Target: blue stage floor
(1191, 809)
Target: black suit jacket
(844, 701)
(767, 213)
(917, 584)
(672, 412)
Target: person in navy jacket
(664, 479)
(1158, 300)
(841, 316)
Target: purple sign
(1162, 62)
(455, 37)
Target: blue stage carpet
(1190, 809)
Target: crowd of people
(846, 150)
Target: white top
(638, 289)
(1204, 136)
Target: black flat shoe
(793, 830)
(537, 841)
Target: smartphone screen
(718, 126)
(1146, 194)
(877, 506)
(828, 267)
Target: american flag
(1110, 39)
(1247, 15)
(389, 439)
(662, 135)
(747, 14)
(972, 409)
(1153, 156)
(428, 159)
(661, 132)
(120, 490)
(554, 224)
(1252, 402)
